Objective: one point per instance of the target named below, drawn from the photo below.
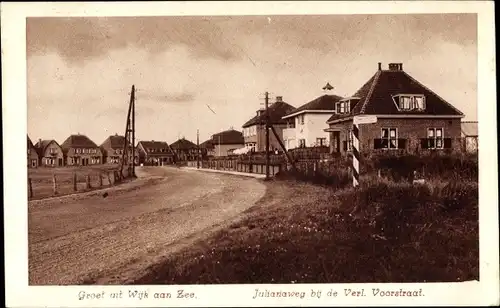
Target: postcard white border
(19, 294)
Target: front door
(336, 142)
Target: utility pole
(267, 135)
(198, 148)
(133, 131)
(128, 131)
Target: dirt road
(91, 239)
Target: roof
(114, 141)
(42, 145)
(30, 144)
(78, 141)
(208, 144)
(324, 102)
(276, 111)
(228, 137)
(183, 144)
(469, 128)
(155, 145)
(376, 96)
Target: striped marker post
(355, 154)
(356, 121)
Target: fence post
(54, 181)
(100, 180)
(75, 188)
(87, 182)
(109, 179)
(30, 188)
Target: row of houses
(79, 150)
(409, 116)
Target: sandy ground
(89, 239)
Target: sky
(80, 70)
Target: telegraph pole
(198, 149)
(267, 135)
(133, 131)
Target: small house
(50, 153)
(156, 153)
(112, 149)
(470, 136)
(32, 155)
(79, 150)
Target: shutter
(401, 143)
(447, 143)
(377, 143)
(345, 145)
(423, 143)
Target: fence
(48, 182)
(235, 165)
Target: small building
(79, 150)
(254, 130)
(50, 153)
(32, 155)
(470, 136)
(224, 143)
(184, 150)
(112, 150)
(155, 153)
(207, 148)
(306, 124)
(410, 116)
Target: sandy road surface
(92, 239)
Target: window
(320, 142)
(435, 138)
(389, 138)
(53, 150)
(343, 107)
(301, 119)
(302, 143)
(410, 102)
(78, 151)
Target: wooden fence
(64, 182)
(237, 166)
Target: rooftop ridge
(370, 92)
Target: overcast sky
(80, 70)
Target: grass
(383, 231)
(42, 179)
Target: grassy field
(42, 179)
(383, 231)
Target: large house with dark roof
(157, 153)
(410, 116)
(225, 142)
(306, 124)
(79, 150)
(254, 130)
(185, 150)
(32, 155)
(50, 153)
(207, 148)
(112, 150)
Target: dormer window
(409, 102)
(343, 107)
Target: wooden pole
(54, 181)
(87, 182)
(133, 131)
(198, 149)
(30, 188)
(267, 135)
(100, 180)
(75, 188)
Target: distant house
(32, 155)
(79, 150)
(112, 150)
(224, 143)
(157, 153)
(50, 153)
(470, 136)
(207, 148)
(410, 116)
(184, 150)
(254, 131)
(306, 124)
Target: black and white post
(356, 121)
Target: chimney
(279, 99)
(40, 141)
(395, 66)
(380, 66)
